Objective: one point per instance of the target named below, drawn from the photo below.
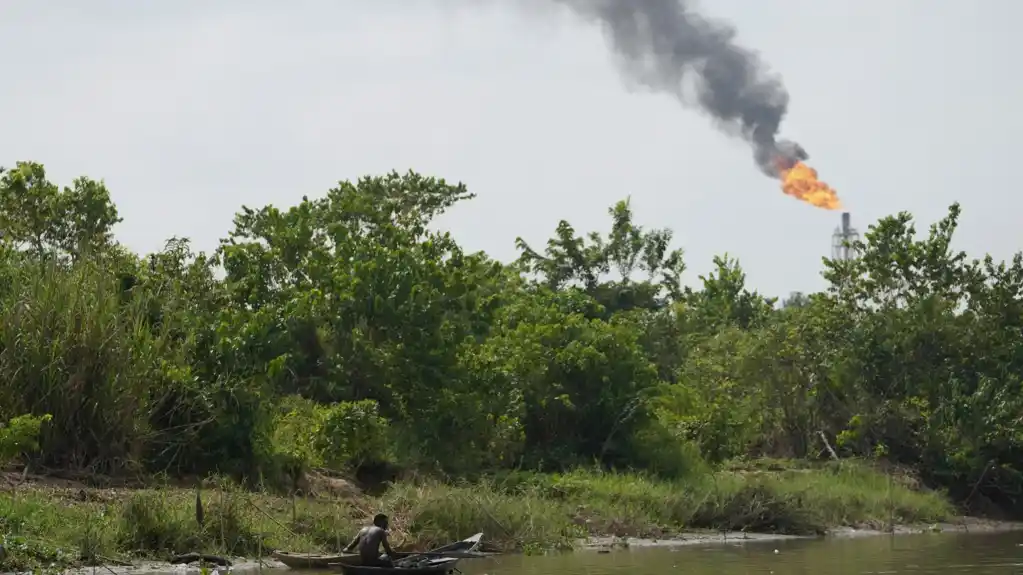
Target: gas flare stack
(840, 240)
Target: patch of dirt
(322, 485)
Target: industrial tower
(842, 236)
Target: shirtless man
(369, 541)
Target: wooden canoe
(309, 560)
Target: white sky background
(189, 109)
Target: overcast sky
(191, 108)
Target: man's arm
(354, 541)
(387, 546)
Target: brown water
(977, 554)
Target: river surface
(978, 554)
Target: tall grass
(797, 501)
(73, 347)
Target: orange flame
(800, 181)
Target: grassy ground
(47, 523)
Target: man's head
(380, 520)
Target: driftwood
(827, 445)
(193, 557)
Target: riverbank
(955, 525)
(603, 544)
(64, 523)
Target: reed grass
(71, 346)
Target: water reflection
(985, 554)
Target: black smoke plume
(667, 46)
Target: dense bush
(344, 332)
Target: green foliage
(572, 260)
(577, 379)
(20, 435)
(37, 215)
(297, 428)
(352, 434)
(341, 436)
(345, 332)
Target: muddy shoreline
(604, 544)
(962, 525)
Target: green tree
(932, 360)
(570, 260)
(580, 378)
(37, 215)
(352, 297)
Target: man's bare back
(370, 539)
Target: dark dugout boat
(458, 550)
(418, 565)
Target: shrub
(343, 436)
